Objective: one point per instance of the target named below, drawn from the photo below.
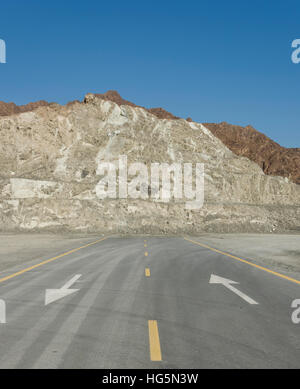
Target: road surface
(147, 302)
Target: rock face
(274, 159)
(116, 98)
(12, 108)
(49, 160)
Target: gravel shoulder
(20, 249)
(280, 251)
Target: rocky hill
(274, 159)
(11, 108)
(49, 159)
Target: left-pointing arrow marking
(56, 294)
(2, 312)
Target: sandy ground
(281, 252)
(18, 249)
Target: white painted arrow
(228, 284)
(2, 312)
(56, 294)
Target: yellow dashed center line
(244, 261)
(155, 351)
(154, 342)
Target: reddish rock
(116, 98)
(162, 113)
(12, 108)
(274, 159)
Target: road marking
(147, 272)
(146, 254)
(247, 262)
(49, 260)
(52, 295)
(2, 312)
(155, 351)
(227, 283)
(145, 245)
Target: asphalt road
(147, 302)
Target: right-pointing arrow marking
(228, 284)
(56, 294)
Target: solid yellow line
(155, 351)
(48, 260)
(244, 261)
(147, 272)
(146, 254)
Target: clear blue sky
(211, 60)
